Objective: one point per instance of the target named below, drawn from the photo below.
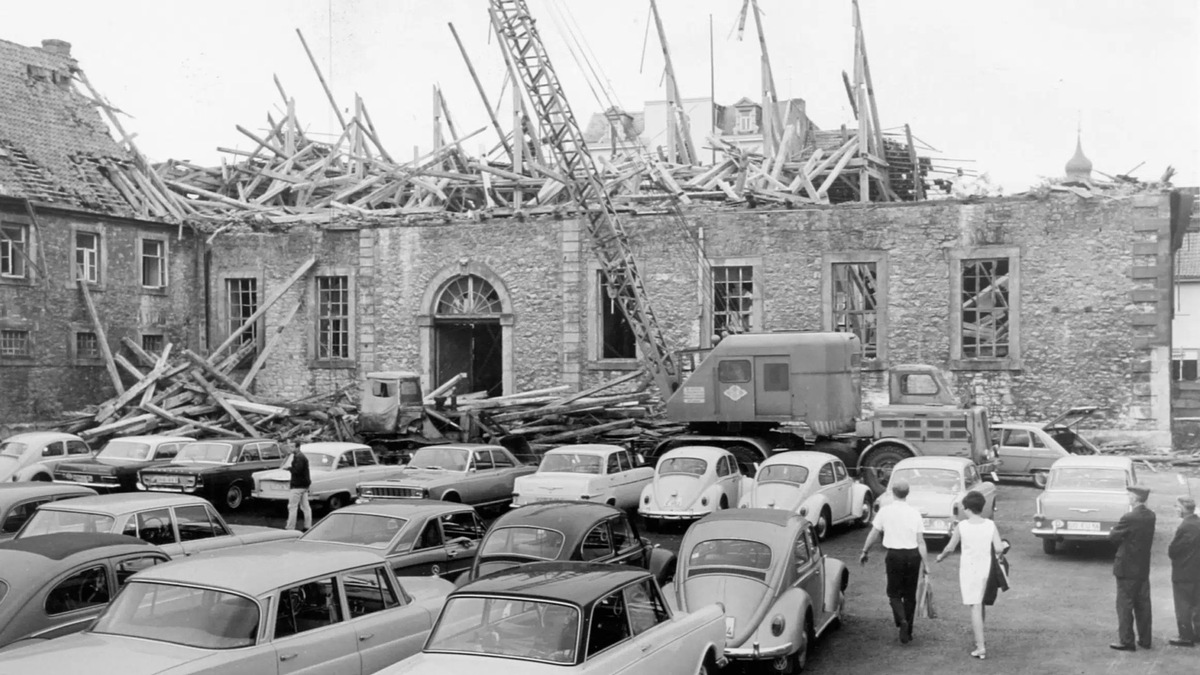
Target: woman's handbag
(925, 607)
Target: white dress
(975, 540)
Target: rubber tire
(452, 497)
(868, 505)
(723, 504)
(1039, 479)
(1049, 546)
(822, 525)
(337, 501)
(799, 661)
(890, 454)
(42, 478)
(234, 490)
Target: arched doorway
(468, 336)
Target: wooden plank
(182, 422)
(272, 342)
(111, 407)
(220, 376)
(256, 408)
(101, 337)
(275, 295)
(587, 431)
(220, 400)
(445, 387)
(591, 391)
(837, 169)
(114, 426)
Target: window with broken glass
(333, 319)
(14, 248)
(617, 340)
(154, 263)
(14, 343)
(985, 308)
(241, 302)
(87, 346)
(855, 305)
(153, 344)
(87, 257)
(733, 299)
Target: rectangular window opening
(617, 338)
(153, 344)
(733, 299)
(855, 303)
(241, 304)
(333, 318)
(14, 343)
(14, 247)
(87, 346)
(985, 308)
(154, 263)
(87, 257)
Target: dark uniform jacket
(1184, 551)
(1134, 535)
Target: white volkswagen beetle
(814, 484)
(691, 482)
(607, 474)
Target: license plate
(730, 622)
(167, 480)
(1080, 525)
(79, 477)
(276, 487)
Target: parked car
(219, 470)
(691, 482)
(937, 485)
(328, 610)
(560, 618)
(32, 455)
(468, 473)
(418, 537)
(1084, 498)
(765, 566)
(608, 474)
(336, 470)
(1028, 450)
(18, 501)
(814, 484)
(180, 524)
(115, 467)
(57, 584)
(569, 531)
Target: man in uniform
(1185, 573)
(903, 531)
(1133, 534)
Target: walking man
(297, 465)
(903, 531)
(1134, 534)
(1185, 573)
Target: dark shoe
(1144, 645)
(905, 633)
(1122, 647)
(1177, 642)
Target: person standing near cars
(1133, 534)
(979, 538)
(301, 481)
(903, 531)
(1184, 552)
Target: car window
(78, 448)
(1037, 441)
(249, 453)
(51, 520)
(463, 524)
(825, 475)
(56, 449)
(609, 625)
(345, 460)
(614, 464)
(307, 607)
(153, 527)
(1017, 437)
(167, 450)
(802, 552)
(196, 522)
(19, 514)
(646, 607)
(501, 460)
(369, 591)
(686, 465)
(364, 457)
(626, 464)
(132, 565)
(722, 467)
(733, 371)
(483, 460)
(622, 534)
(430, 537)
(972, 476)
(597, 544)
(839, 470)
(269, 451)
(81, 590)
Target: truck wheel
(879, 464)
(234, 497)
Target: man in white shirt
(903, 532)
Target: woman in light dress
(978, 536)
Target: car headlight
(777, 625)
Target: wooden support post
(275, 295)
(101, 337)
(918, 189)
(224, 379)
(272, 341)
(328, 93)
(483, 95)
(219, 399)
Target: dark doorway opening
(471, 347)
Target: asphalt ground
(1058, 617)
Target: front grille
(380, 492)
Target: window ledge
(333, 365)
(1013, 365)
(16, 281)
(17, 361)
(614, 364)
(154, 290)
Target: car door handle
(364, 638)
(287, 657)
(645, 646)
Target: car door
(155, 526)
(476, 486)
(611, 479)
(630, 550)
(200, 529)
(1044, 451)
(310, 633)
(597, 545)
(1015, 451)
(345, 475)
(729, 479)
(828, 487)
(462, 532)
(74, 598)
(369, 467)
(973, 482)
(428, 553)
(810, 572)
(609, 635)
(843, 505)
(388, 626)
(500, 480)
(648, 620)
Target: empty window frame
(14, 343)
(985, 308)
(14, 250)
(241, 302)
(154, 263)
(617, 339)
(87, 256)
(333, 318)
(87, 346)
(153, 343)
(733, 299)
(855, 287)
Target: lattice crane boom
(527, 56)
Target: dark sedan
(115, 468)
(219, 470)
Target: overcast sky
(1004, 83)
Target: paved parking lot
(1057, 618)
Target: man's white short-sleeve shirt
(901, 524)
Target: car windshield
(783, 473)
(3, 591)
(570, 463)
(203, 452)
(12, 449)
(730, 553)
(507, 627)
(691, 466)
(125, 450)
(526, 542)
(319, 461)
(360, 529)
(182, 615)
(939, 481)
(450, 459)
(1087, 478)
(50, 521)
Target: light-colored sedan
(814, 484)
(468, 473)
(937, 486)
(275, 608)
(1027, 450)
(1083, 500)
(559, 618)
(608, 474)
(336, 470)
(691, 482)
(33, 455)
(18, 501)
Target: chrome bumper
(1064, 532)
(674, 515)
(755, 652)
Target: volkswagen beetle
(814, 484)
(691, 482)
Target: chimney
(59, 47)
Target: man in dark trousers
(1185, 573)
(297, 465)
(1134, 534)
(902, 529)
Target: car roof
(124, 502)
(573, 582)
(40, 437)
(463, 446)
(153, 439)
(777, 517)
(933, 462)
(709, 452)
(332, 447)
(572, 518)
(806, 458)
(585, 449)
(236, 441)
(62, 545)
(407, 508)
(13, 492)
(1119, 462)
(260, 568)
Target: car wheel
(235, 496)
(42, 478)
(1039, 479)
(1049, 546)
(452, 497)
(823, 525)
(337, 501)
(797, 662)
(868, 503)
